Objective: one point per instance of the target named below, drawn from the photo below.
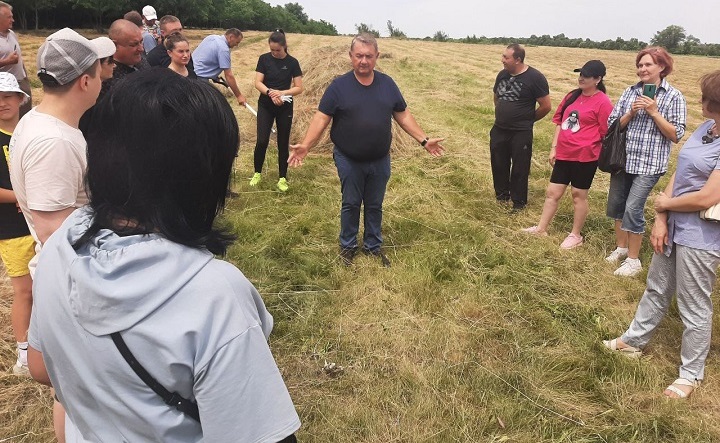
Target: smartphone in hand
(649, 90)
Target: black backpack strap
(173, 399)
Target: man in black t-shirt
(361, 105)
(517, 89)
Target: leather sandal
(679, 392)
(627, 351)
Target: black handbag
(612, 154)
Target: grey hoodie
(195, 323)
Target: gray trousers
(690, 274)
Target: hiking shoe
(379, 253)
(534, 231)
(282, 185)
(255, 179)
(517, 207)
(629, 268)
(347, 255)
(617, 255)
(21, 369)
(571, 241)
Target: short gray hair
(5, 5)
(366, 39)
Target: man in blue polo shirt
(212, 57)
(361, 105)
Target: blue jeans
(626, 199)
(361, 183)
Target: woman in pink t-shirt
(581, 122)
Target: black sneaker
(517, 207)
(379, 253)
(347, 255)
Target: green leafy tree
(296, 10)
(362, 27)
(669, 38)
(440, 36)
(99, 9)
(394, 32)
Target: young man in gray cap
(48, 154)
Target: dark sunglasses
(709, 137)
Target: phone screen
(649, 90)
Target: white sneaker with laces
(617, 255)
(629, 268)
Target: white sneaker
(629, 268)
(617, 255)
(21, 369)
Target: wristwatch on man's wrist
(424, 142)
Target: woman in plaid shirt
(652, 124)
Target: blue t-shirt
(362, 115)
(212, 56)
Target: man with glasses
(11, 56)
(518, 87)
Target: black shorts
(578, 174)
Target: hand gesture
(661, 202)
(12, 58)
(297, 154)
(434, 147)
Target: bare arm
(408, 123)
(230, 78)
(296, 88)
(544, 106)
(553, 147)
(317, 126)
(47, 222)
(11, 59)
(707, 196)
(36, 365)
(495, 99)
(7, 196)
(666, 128)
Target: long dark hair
(575, 93)
(160, 153)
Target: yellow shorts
(16, 254)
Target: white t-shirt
(48, 159)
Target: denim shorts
(626, 199)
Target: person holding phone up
(654, 114)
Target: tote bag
(612, 153)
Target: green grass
(476, 332)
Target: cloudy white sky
(596, 19)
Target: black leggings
(282, 116)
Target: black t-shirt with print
(516, 98)
(12, 221)
(277, 73)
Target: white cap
(103, 46)
(8, 83)
(65, 55)
(149, 13)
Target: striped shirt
(648, 151)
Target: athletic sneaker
(255, 179)
(629, 268)
(571, 241)
(282, 185)
(21, 369)
(617, 255)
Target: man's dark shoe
(347, 255)
(502, 198)
(517, 207)
(380, 254)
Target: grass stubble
(477, 332)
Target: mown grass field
(476, 332)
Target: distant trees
(440, 36)
(669, 38)
(243, 14)
(362, 27)
(394, 32)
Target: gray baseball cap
(65, 55)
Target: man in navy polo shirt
(361, 104)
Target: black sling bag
(182, 404)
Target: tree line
(244, 14)
(673, 38)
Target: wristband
(268, 92)
(424, 142)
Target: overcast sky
(596, 19)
